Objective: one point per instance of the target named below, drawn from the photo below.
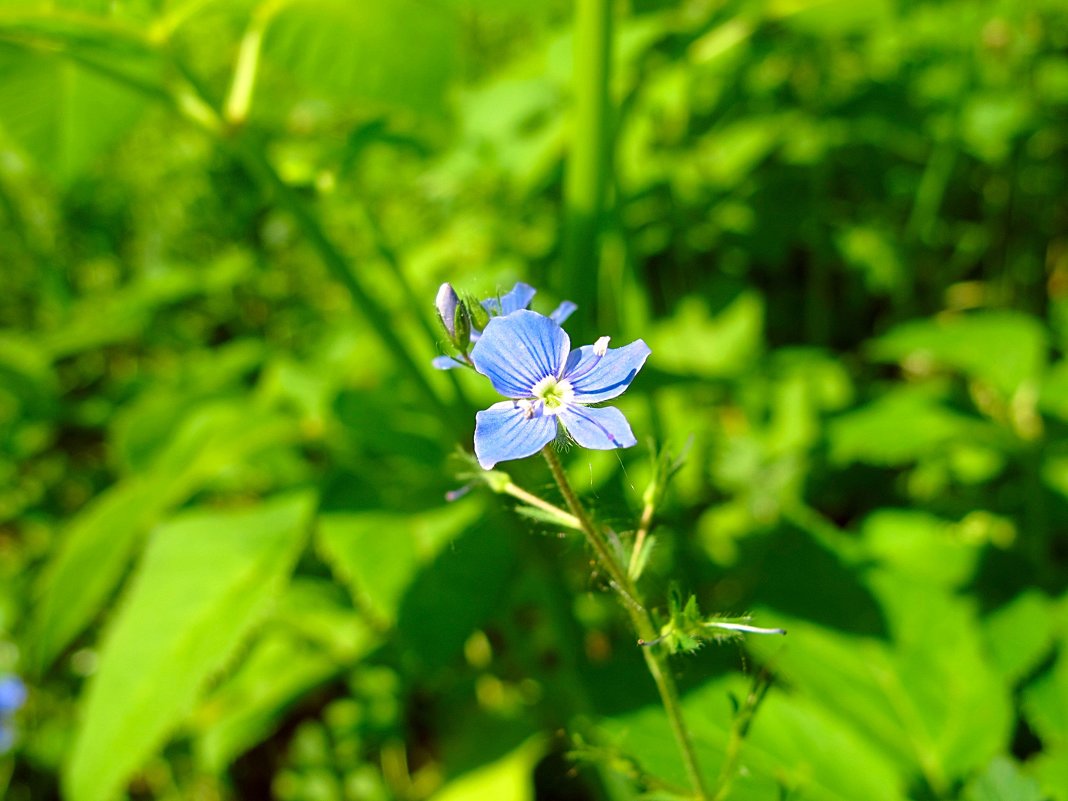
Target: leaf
(203, 582)
(832, 17)
(1020, 634)
(927, 697)
(377, 554)
(348, 51)
(728, 155)
(898, 428)
(510, 778)
(1045, 702)
(62, 113)
(1002, 348)
(313, 635)
(100, 540)
(692, 342)
(794, 748)
(920, 545)
(1002, 781)
(1051, 769)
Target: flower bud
(455, 317)
(447, 303)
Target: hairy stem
(533, 500)
(655, 659)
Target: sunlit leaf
(349, 51)
(510, 778)
(898, 428)
(378, 554)
(1004, 349)
(204, 579)
(64, 114)
(99, 542)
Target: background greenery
(227, 569)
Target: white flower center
(553, 393)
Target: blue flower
(528, 358)
(519, 298)
(12, 696)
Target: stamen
(552, 394)
(600, 348)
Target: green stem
(639, 538)
(655, 659)
(589, 159)
(337, 264)
(533, 500)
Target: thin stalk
(337, 264)
(589, 157)
(639, 539)
(533, 500)
(655, 660)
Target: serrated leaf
(203, 582)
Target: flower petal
(600, 429)
(517, 351)
(519, 298)
(503, 432)
(562, 312)
(603, 380)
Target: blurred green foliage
(227, 569)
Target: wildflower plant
(553, 395)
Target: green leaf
(62, 113)
(920, 545)
(1020, 634)
(900, 427)
(795, 747)
(1002, 781)
(692, 342)
(348, 51)
(1051, 769)
(313, 635)
(1002, 348)
(377, 554)
(927, 697)
(100, 540)
(510, 778)
(1045, 702)
(204, 580)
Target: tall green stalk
(590, 154)
(655, 659)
